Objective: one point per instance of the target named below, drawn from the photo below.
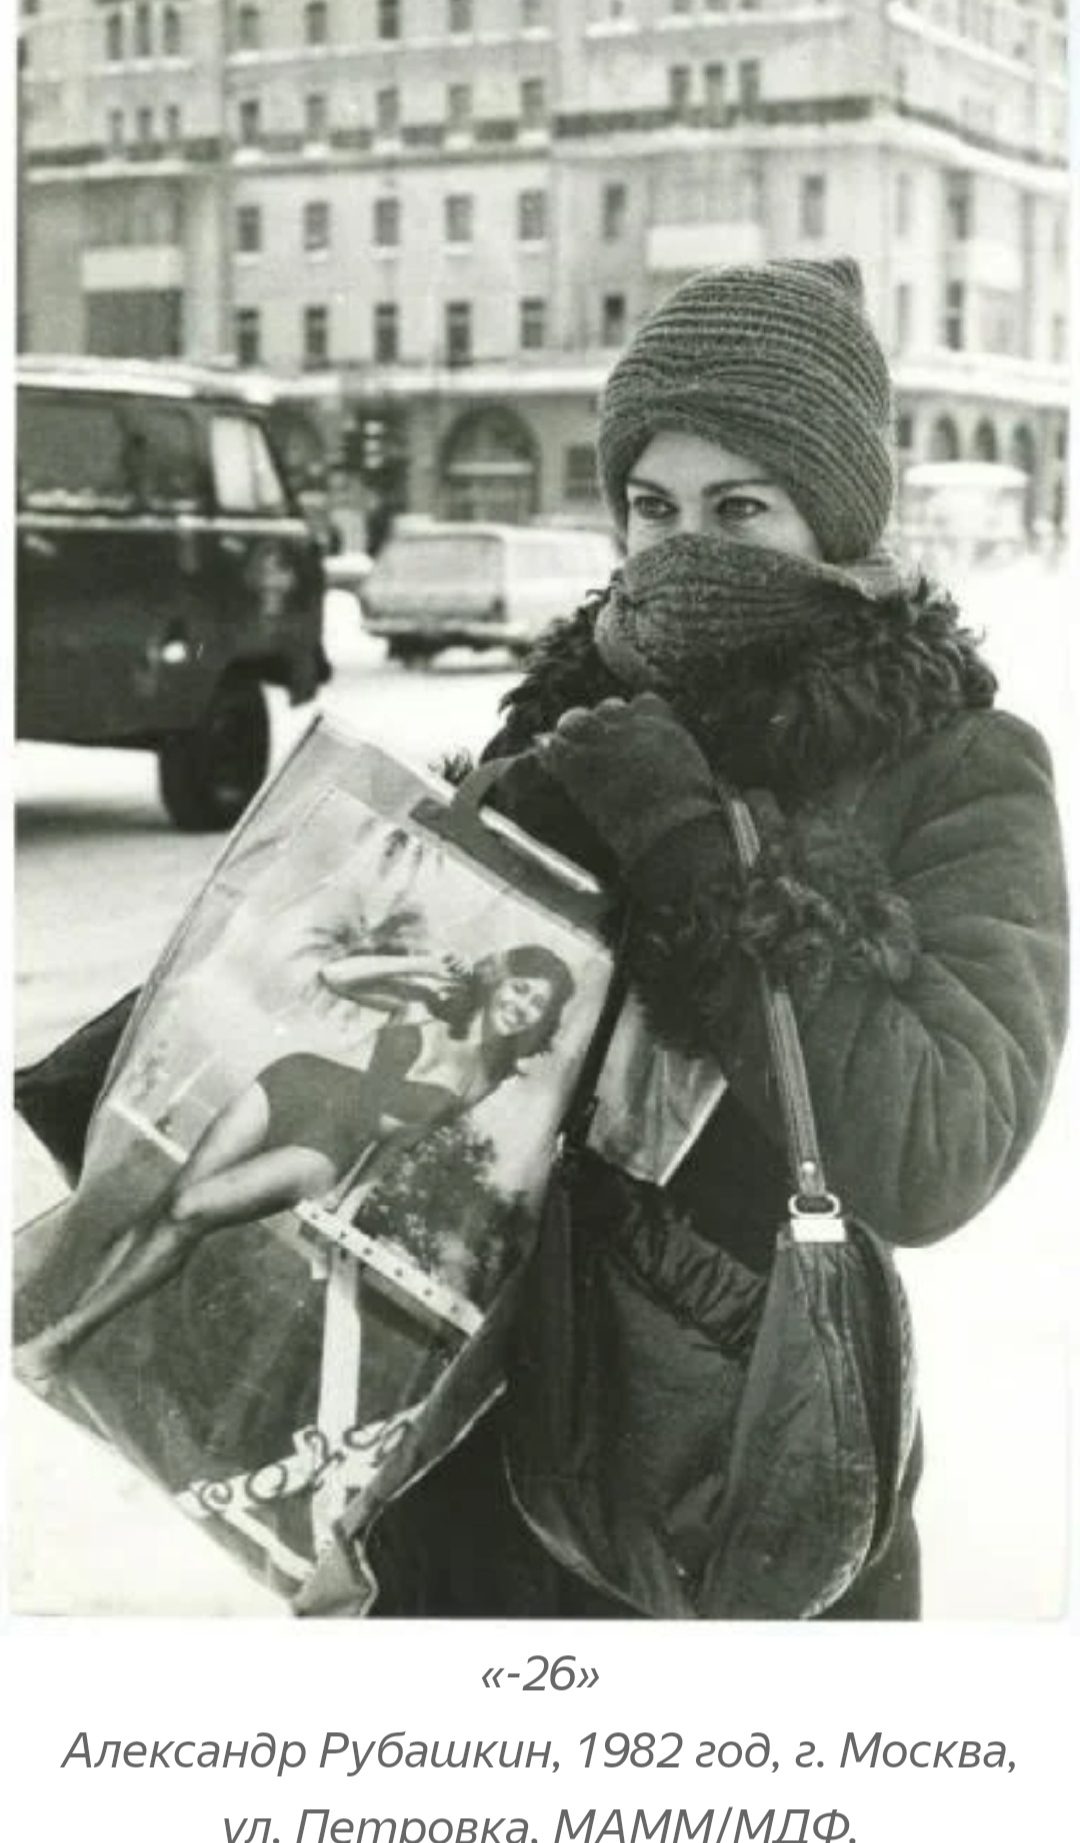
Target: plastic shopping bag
(312, 1175)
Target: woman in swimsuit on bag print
(304, 1124)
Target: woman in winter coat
(910, 888)
(909, 892)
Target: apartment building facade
(439, 219)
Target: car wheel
(207, 775)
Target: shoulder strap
(813, 1206)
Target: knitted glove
(631, 769)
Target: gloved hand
(632, 769)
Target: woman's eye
(736, 508)
(650, 507)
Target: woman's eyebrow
(712, 486)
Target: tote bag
(346, 981)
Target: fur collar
(789, 718)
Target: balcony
(990, 143)
(795, 111)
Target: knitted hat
(779, 363)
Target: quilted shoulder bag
(733, 1447)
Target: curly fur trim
(790, 718)
(817, 908)
(783, 724)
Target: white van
(437, 585)
(959, 513)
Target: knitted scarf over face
(788, 673)
(680, 610)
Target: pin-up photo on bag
(311, 1177)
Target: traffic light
(364, 446)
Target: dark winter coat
(912, 892)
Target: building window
(144, 126)
(959, 203)
(613, 320)
(248, 337)
(1059, 340)
(144, 46)
(387, 230)
(458, 332)
(316, 23)
(387, 111)
(680, 6)
(458, 217)
(389, 25)
(532, 216)
(249, 230)
(678, 83)
(715, 91)
(116, 130)
(533, 102)
(248, 28)
(460, 15)
(459, 98)
(579, 473)
(172, 125)
(316, 337)
(944, 440)
(114, 38)
(172, 40)
(533, 324)
(902, 215)
(902, 316)
(952, 331)
(749, 83)
(812, 205)
(532, 13)
(386, 333)
(316, 116)
(316, 225)
(613, 211)
(250, 122)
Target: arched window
(114, 37)
(489, 468)
(985, 441)
(944, 440)
(171, 32)
(1022, 447)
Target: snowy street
(101, 880)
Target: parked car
(165, 575)
(436, 585)
(960, 513)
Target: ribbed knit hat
(779, 363)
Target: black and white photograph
(542, 813)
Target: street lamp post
(21, 326)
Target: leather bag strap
(815, 1211)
